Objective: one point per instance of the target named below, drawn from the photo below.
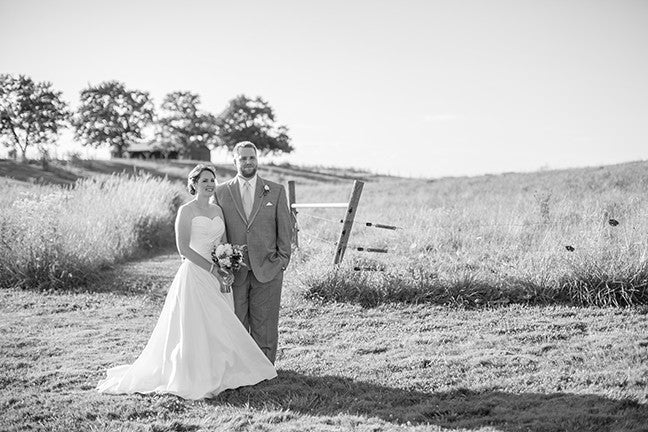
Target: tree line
(111, 115)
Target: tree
(253, 120)
(30, 113)
(183, 127)
(110, 114)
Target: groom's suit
(267, 233)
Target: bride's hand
(220, 277)
(228, 277)
(225, 279)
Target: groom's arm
(284, 228)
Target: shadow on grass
(461, 408)
(134, 166)
(177, 170)
(34, 173)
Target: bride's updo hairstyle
(193, 176)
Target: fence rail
(347, 223)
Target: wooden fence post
(348, 221)
(293, 211)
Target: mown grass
(59, 237)
(571, 237)
(341, 366)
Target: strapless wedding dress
(198, 347)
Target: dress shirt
(252, 181)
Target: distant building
(198, 153)
(150, 150)
(146, 150)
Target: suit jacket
(268, 231)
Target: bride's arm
(227, 275)
(183, 236)
(224, 236)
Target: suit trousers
(257, 305)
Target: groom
(256, 214)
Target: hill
(67, 172)
(61, 172)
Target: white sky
(421, 88)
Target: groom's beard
(249, 173)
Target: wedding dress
(198, 347)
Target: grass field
(539, 238)
(341, 366)
(357, 352)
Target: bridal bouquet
(229, 258)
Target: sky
(403, 87)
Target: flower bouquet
(228, 258)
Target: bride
(198, 347)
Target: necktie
(247, 199)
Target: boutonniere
(266, 189)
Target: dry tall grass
(528, 238)
(524, 238)
(53, 237)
